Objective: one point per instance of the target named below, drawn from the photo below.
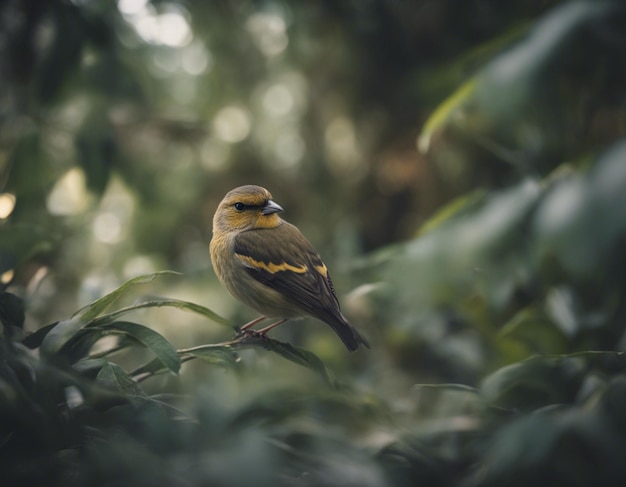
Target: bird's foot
(250, 324)
(272, 326)
(246, 334)
(252, 337)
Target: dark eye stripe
(239, 206)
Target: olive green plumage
(269, 265)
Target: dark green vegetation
(461, 166)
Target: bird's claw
(250, 336)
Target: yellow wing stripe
(322, 270)
(271, 267)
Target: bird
(269, 265)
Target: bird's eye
(239, 206)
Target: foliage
(485, 252)
(63, 403)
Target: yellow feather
(267, 221)
(271, 267)
(322, 270)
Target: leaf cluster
(69, 410)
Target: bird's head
(245, 208)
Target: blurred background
(460, 166)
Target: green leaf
(448, 387)
(151, 368)
(521, 87)
(35, 339)
(609, 362)
(535, 382)
(460, 206)
(60, 334)
(301, 357)
(152, 340)
(477, 251)
(531, 330)
(170, 303)
(220, 355)
(89, 365)
(114, 377)
(79, 346)
(98, 307)
(444, 113)
(69, 339)
(589, 235)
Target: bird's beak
(271, 207)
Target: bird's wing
(284, 260)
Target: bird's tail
(349, 335)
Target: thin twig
(247, 338)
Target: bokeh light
(69, 196)
(342, 146)
(7, 204)
(269, 32)
(232, 124)
(169, 27)
(278, 100)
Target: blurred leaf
(581, 222)
(607, 362)
(531, 384)
(30, 180)
(614, 401)
(91, 311)
(449, 387)
(511, 106)
(301, 357)
(558, 446)
(457, 208)
(11, 310)
(152, 340)
(35, 339)
(18, 243)
(97, 149)
(114, 377)
(63, 51)
(519, 448)
(60, 334)
(478, 249)
(538, 334)
(444, 113)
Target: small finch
(268, 264)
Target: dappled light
(232, 124)
(69, 195)
(269, 31)
(168, 27)
(342, 146)
(7, 205)
(107, 228)
(278, 100)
